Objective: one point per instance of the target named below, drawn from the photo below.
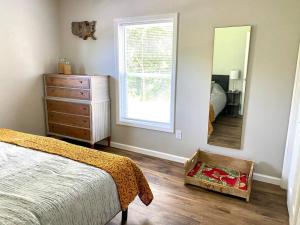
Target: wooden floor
(177, 204)
(227, 132)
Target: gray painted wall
(275, 39)
(29, 44)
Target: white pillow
(212, 85)
(216, 88)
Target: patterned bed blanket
(127, 176)
(37, 188)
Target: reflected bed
(218, 99)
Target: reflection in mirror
(227, 93)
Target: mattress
(218, 99)
(40, 188)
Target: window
(147, 69)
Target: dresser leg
(108, 141)
(92, 146)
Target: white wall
(275, 37)
(29, 44)
(290, 174)
(229, 53)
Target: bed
(41, 188)
(218, 99)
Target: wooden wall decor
(84, 29)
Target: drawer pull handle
(81, 93)
(80, 81)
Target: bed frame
(124, 216)
(222, 80)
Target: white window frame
(120, 64)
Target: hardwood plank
(177, 204)
(227, 132)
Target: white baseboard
(267, 178)
(149, 152)
(175, 158)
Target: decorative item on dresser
(78, 107)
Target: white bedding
(39, 188)
(218, 98)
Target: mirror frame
(245, 81)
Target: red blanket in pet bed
(221, 175)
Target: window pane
(149, 48)
(148, 71)
(148, 98)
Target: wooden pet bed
(220, 173)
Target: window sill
(147, 125)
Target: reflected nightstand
(233, 104)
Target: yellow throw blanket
(211, 119)
(129, 179)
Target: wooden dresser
(77, 107)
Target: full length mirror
(228, 84)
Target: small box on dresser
(77, 107)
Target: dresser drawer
(67, 119)
(79, 133)
(71, 82)
(68, 107)
(68, 93)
